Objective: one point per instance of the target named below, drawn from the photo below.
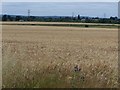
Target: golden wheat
(42, 56)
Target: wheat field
(59, 57)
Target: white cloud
(60, 1)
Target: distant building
(96, 19)
(83, 20)
(21, 20)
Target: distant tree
(113, 18)
(4, 18)
(96, 18)
(78, 17)
(17, 18)
(32, 18)
(9, 18)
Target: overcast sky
(92, 9)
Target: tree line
(112, 20)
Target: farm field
(64, 24)
(59, 57)
(54, 23)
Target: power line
(72, 14)
(28, 15)
(104, 15)
(28, 12)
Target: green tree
(4, 18)
(78, 17)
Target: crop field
(65, 24)
(59, 57)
